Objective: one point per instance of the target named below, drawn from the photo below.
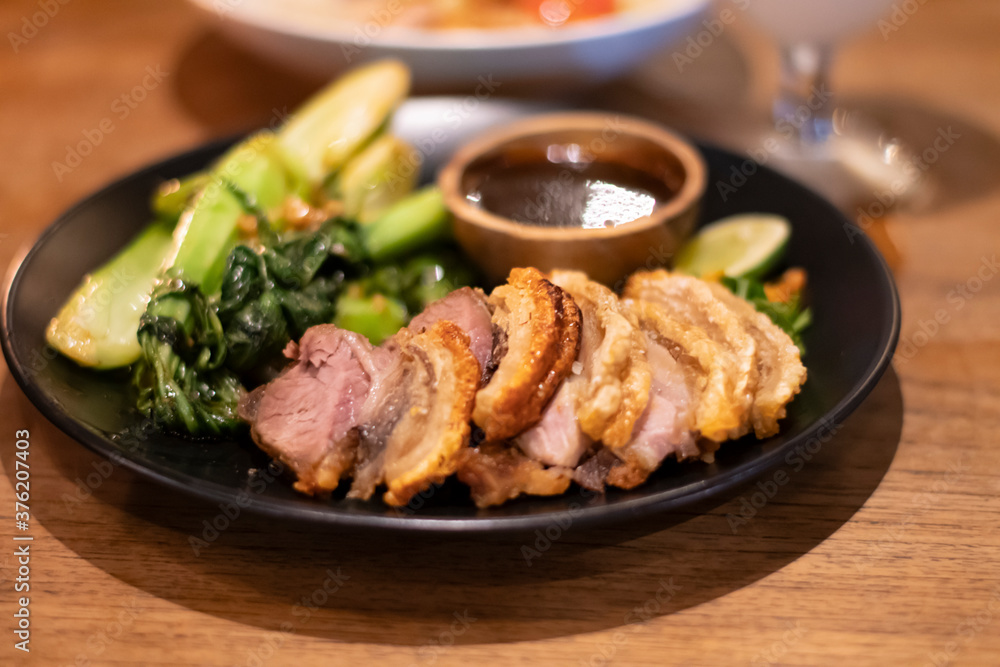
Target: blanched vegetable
(97, 325)
(339, 120)
(180, 379)
(270, 297)
(251, 252)
(378, 177)
(207, 231)
(415, 222)
(173, 196)
(377, 316)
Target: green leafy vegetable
(180, 378)
(789, 315)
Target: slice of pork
(557, 439)
(467, 308)
(306, 417)
(415, 429)
(664, 429)
(496, 473)
(539, 325)
(682, 313)
(778, 363)
(611, 380)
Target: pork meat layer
(611, 389)
(467, 308)
(415, 428)
(307, 416)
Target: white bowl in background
(595, 49)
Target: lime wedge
(747, 245)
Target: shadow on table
(229, 89)
(426, 591)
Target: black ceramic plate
(850, 343)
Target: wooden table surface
(884, 549)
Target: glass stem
(804, 107)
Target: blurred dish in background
(461, 42)
(445, 14)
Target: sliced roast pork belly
(665, 428)
(705, 335)
(778, 362)
(496, 473)
(467, 308)
(417, 421)
(608, 387)
(306, 417)
(612, 386)
(539, 325)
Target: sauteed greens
(287, 230)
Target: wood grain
(883, 549)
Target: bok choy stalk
(379, 176)
(97, 324)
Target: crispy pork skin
(413, 433)
(467, 308)
(664, 429)
(496, 473)
(612, 387)
(705, 335)
(778, 363)
(306, 417)
(540, 326)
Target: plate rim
(469, 40)
(321, 513)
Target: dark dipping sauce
(567, 194)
